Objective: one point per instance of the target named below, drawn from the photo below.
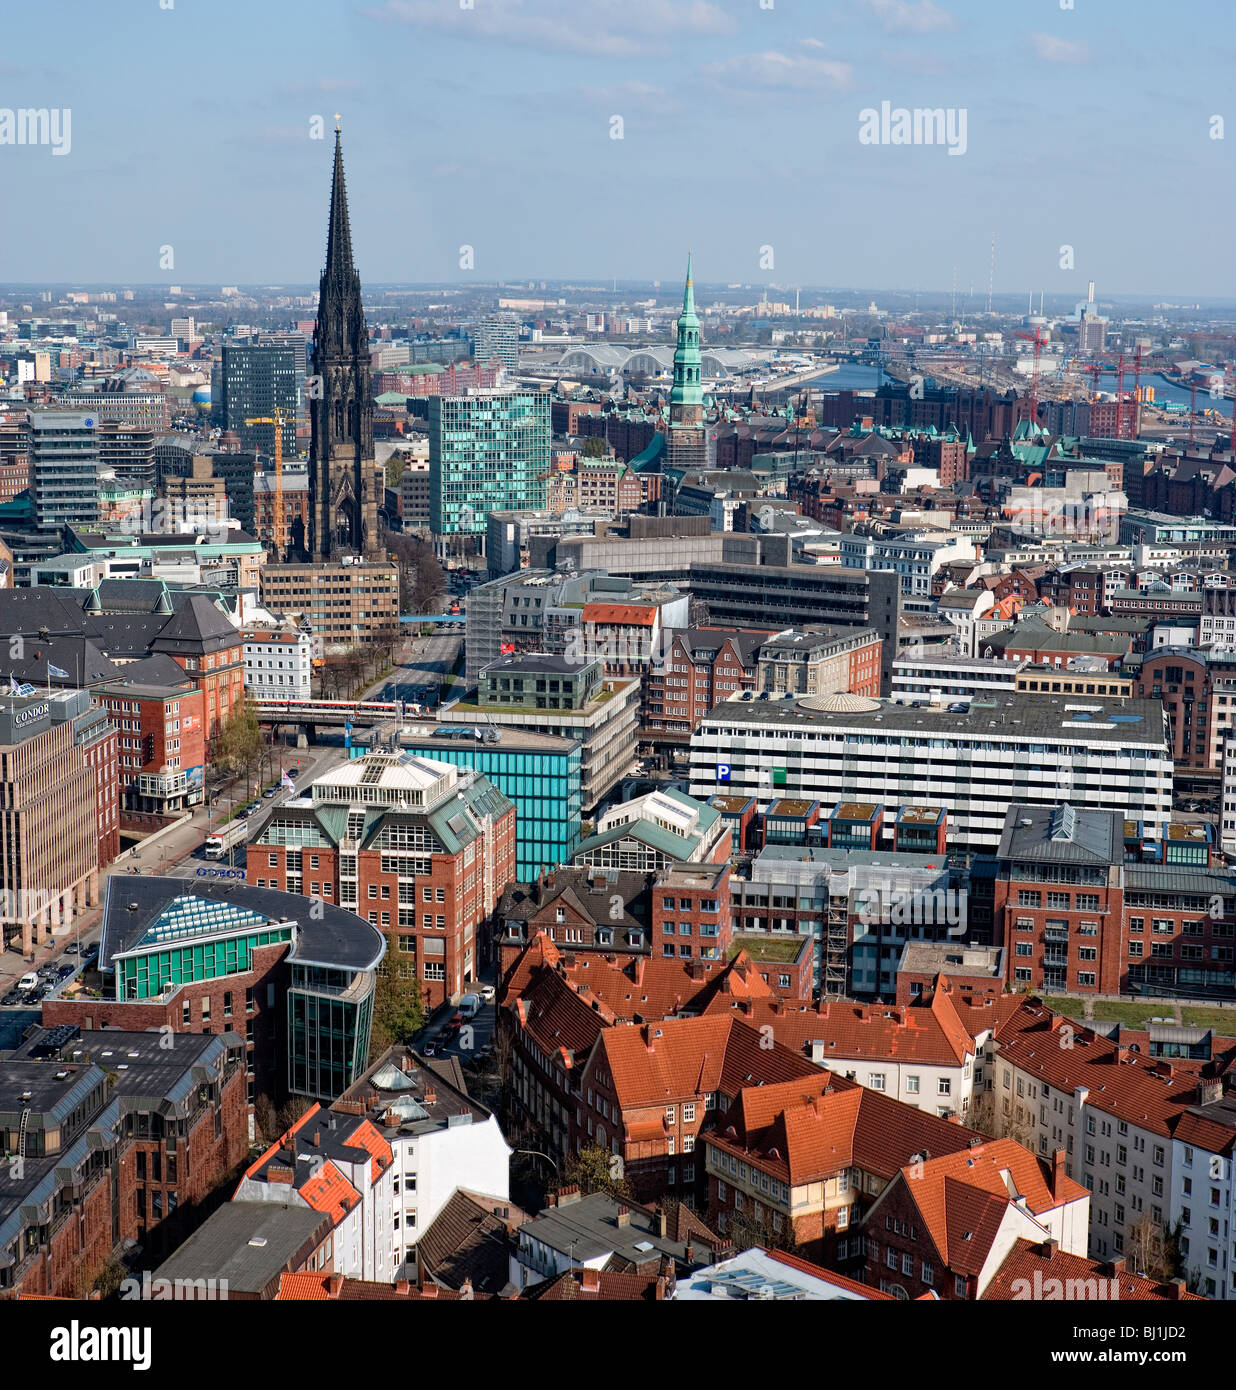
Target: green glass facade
(546, 790)
(143, 975)
(488, 451)
(328, 1031)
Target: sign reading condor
(23, 718)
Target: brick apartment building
(702, 666)
(420, 849)
(1072, 915)
(810, 1155)
(161, 734)
(122, 1140)
(915, 1231)
(204, 643)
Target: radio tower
(991, 272)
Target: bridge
(356, 713)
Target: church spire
(339, 234)
(688, 389)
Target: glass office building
(538, 772)
(254, 381)
(318, 981)
(489, 450)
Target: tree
(238, 746)
(743, 1230)
(422, 584)
(1152, 1249)
(595, 447)
(592, 1170)
(398, 1008)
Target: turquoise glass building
(540, 773)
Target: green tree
(593, 1170)
(595, 447)
(398, 1008)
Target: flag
(13, 686)
(286, 781)
(58, 671)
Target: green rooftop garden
(780, 950)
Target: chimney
(466, 1291)
(661, 1221)
(1209, 1091)
(624, 1217)
(430, 1290)
(281, 1175)
(590, 1280)
(1048, 1248)
(402, 1286)
(1176, 1288)
(690, 1253)
(334, 1286)
(1116, 1267)
(1058, 1160)
(568, 1194)
(317, 1139)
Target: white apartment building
(951, 678)
(1031, 749)
(1115, 1112)
(279, 663)
(963, 608)
(914, 557)
(1203, 1190)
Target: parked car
(29, 981)
(72, 948)
(65, 971)
(488, 993)
(12, 997)
(270, 791)
(430, 1050)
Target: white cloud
(1054, 50)
(608, 28)
(910, 16)
(772, 69)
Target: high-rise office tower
(687, 445)
(64, 468)
(488, 451)
(496, 339)
(253, 382)
(345, 482)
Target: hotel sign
(23, 718)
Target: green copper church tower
(686, 443)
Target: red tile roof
(1148, 1092)
(329, 1192)
(805, 1131)
(971, 1190)
(657, 1063)
(629, 614)
(1028, 1259)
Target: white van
(28, 981)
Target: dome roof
(841, 703)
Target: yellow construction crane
(277, 420)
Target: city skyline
(507, 147)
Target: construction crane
(1137, 375)
(1039, 341)
(277, 419)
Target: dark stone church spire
(343, 478)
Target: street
(179, 852)
(424, 664)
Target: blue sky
(490, 126)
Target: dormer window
(560, 914)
